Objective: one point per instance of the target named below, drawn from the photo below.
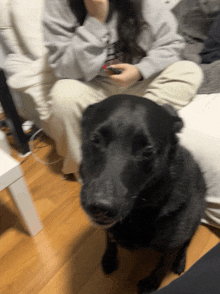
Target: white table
(11, 177)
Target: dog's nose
(103, 209)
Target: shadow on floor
(9, 219)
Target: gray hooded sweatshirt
(79, 52)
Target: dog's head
(126, 146)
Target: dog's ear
(177, 121)
(88, 114)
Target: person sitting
(137, 37)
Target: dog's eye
(147, 151)
(96, 139)
(101, 137)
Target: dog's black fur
(139, 183)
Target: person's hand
(98, 9)
(129, 76)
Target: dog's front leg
(152, 282)
(109, 259)
(180, 262)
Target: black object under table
(13, 121)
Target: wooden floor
(64, 258)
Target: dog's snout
(104, 199)
(102, 209)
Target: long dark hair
(129, 27)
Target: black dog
(138, 183)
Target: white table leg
(25, 205)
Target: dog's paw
(147, 285)
(109, 265)
(179, 266)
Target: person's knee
(177, 84)
(63, 92)
(66, 95)
(190, 71)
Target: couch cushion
(26, 17)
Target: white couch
(30, 77)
